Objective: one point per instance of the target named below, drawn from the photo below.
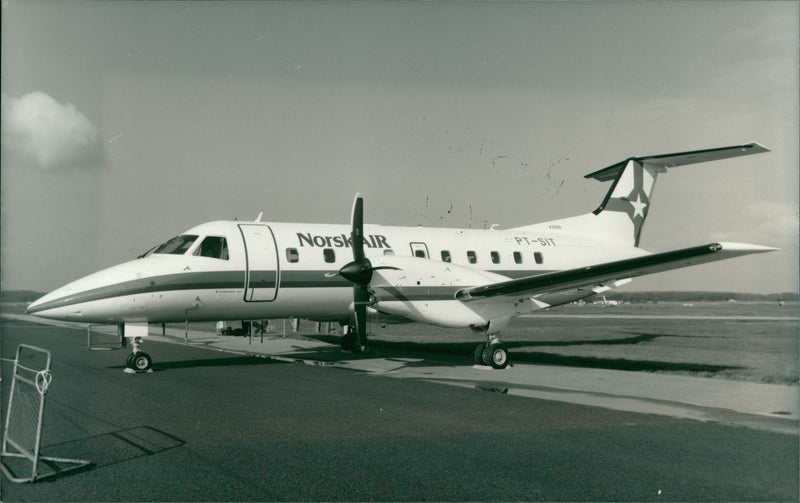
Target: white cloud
(39, 131)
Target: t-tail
(620, 217)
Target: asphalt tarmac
(214, 426)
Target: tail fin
(621, 215)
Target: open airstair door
(262, 275)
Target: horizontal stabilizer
(591, 276)
(679, 159)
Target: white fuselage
(276, 270)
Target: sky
(126, 123)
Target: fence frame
(38, 384)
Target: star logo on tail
(635, 203)
(638, 202)
(638, 207)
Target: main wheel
(496, 356)
(479, 354)
(141, 362)
(349, 341)
(129, 361)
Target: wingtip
(745, 247)
(758, 147)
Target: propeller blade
(359, 271)
(357, 234)
(361, 300)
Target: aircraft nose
(32, 307)
(91, 299)
(74, 301)
(38, 306)
(44, 304)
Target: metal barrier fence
(22, 436)
(104, 342)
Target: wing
(600, 274)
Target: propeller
(359, 272)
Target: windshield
(177, 245)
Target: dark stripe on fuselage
(226, 280)
(155, 284)
(409, 293)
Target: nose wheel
(138, 361)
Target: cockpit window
(213, 247)
(177, 245)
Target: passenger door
(262, 271)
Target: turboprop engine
(424, 290)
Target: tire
(496, 356)
(141, 362)
(348, 341)
(357, 348)
(129, 361)
(479, 354)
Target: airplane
(449, 277)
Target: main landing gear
(138, 360)
(492, 353)
(350, 340)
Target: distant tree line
(19, 295)
(642, 297)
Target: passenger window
(517, 257)
(292, 255)
(329, 254)
(495, 257)
(388, 252)
(213, 247)
(446, 256)
(177, 245)
(419, 253)
(471, 257)
(537, 256)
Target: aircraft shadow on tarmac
(209, 362)
(115, 447)
(460, 353)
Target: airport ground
(213, 425)
(743, 341)
(747, 341)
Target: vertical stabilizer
(628, 200)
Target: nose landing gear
(138, 361)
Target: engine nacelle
(424, 290)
